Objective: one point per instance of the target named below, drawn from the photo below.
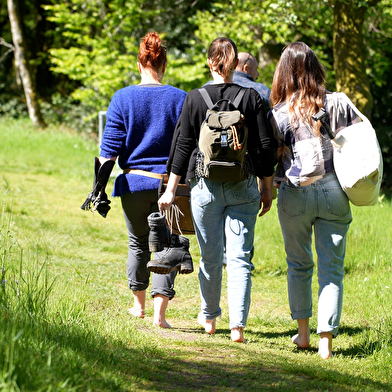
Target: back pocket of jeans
(336, 201)
(292, 200)
(201, 192)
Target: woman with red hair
(139, 129)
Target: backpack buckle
(224, 143)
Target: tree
(22, 65)
(349, 54)
(264, 28)
(334, 29)
(103, 41)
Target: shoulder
(279, 112)
(252, 98)
(280, 108)
(338, 99)
(175, 90)
(195, 95)
(262, 90)
(244, 80)
(124, 94)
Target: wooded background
(61, 61)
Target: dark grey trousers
(137, 207)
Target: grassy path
(64, 324)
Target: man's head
(248, 64)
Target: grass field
(64, 324)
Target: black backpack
(223, 140)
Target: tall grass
(24, 294)
(64, 324)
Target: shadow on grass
(90, 361)
(361, 350)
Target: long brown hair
(299, 81)
(223, 54)
(151, 51)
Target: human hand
(166, 200)
(265, 201)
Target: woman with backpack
(224, 212)
(310, 196)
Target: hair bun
(151, 52)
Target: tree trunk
(348, 53)
(21, 63)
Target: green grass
(64, 298)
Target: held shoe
(176, 256)
(159, 236)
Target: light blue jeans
(324, 208)
(224, 215)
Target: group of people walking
(288, 150)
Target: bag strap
(210, 104)
(206, 97)
(345, 98)
(334, 111)
(238, 98)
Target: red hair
(151, 51)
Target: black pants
(137, 207)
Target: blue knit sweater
(140, 122)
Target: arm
(265, 189)
(261, 143)
(166, 200)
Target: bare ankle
(162, 324)
(302, 338)
(237, 335)
(325, 345)
(137, 312)
(209, 325)
(301, 341)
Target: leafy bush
(13, 108)
(77, 115)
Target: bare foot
(325, 345)
(302, 338)
(162, 324)
(237, 335)
(137, 312)
(209, 325)
(302, 341)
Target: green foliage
(377, 38)
(13, 108)
(78, 115)
(264, 28)
(102, 51)
(103, 43)
(92, 47)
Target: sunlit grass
(64, 324)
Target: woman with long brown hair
(310, 196)
(224, 213)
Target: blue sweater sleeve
(140, 122)
(115, 133)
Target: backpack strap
(206, 97)
(210, 104)
(238, 98)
